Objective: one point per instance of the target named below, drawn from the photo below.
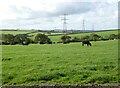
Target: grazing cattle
(86, 42)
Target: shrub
(65, 39)
(113, 36)
(94, 37)
(75, 39)
(8, 39)
(118, 36)
(85, 37)
(104, 38)
(42, 39)
(22, 39)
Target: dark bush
(94, 37)
(118, 36)
(104, 38)
(22, 39)
(8, 39)
(113, 36)
(48, 41)
(85, 37)
(42, 39)
(65, 39)
(75, 39)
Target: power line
(64, 23)
(93, 27)
(83, 25)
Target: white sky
(47, 14)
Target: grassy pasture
(57, 38)
(58, 63)
(101, 33)
(15, 32)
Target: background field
(58, 63)
(14, 32)
(79, 35)
(56, 38)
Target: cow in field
(86, 42)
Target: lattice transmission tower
(64, 23)
(83, 25)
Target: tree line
(24, 39)
(92, 37)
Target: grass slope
(15, 32)
(101, 33)
(63, 64)
(57, 38)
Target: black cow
(86, 42)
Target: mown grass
(61, 64)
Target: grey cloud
(20, 10)
(31, 14)
(74, 8)
(70, 8)
(26, 16)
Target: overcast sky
(47, 14)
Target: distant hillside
(49, 32)
(79, 35)
(55, 36)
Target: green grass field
(15, 32)
(101, 33)
(62, 64)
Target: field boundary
(66, 86)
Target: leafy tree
(1, 36)
(65, 39)
(85, 37)
(22, 39)
(118, 36)
(104, 38)
(8, 39)
(113, 36)
(75, 39)
(94, 37)
(41, 38)
(48, 41)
